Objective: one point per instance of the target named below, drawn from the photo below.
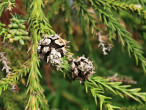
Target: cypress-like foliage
(31, 41)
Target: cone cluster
(52, 48)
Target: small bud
(11, 40)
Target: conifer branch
(38, 21)
(135, 107)
(38, 26)
(117, 5)
(53, 50)
(118, 89)
(6, 4)
(82, 9)
(2, 5)
(35, 90)
(125, 37)
(11, 78)
(98, 85)
(97, 93)
(3, 30)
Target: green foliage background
(76, 23)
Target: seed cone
(82, 68)
(51, 49)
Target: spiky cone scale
(51, 49)
(82, 68)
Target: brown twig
(124, 79)
(47, 74)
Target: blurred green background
(65, 95)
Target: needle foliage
(91, 26)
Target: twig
(103, 44)
(6, 67)
(46, 68)
(125, 79)
(3, 59)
